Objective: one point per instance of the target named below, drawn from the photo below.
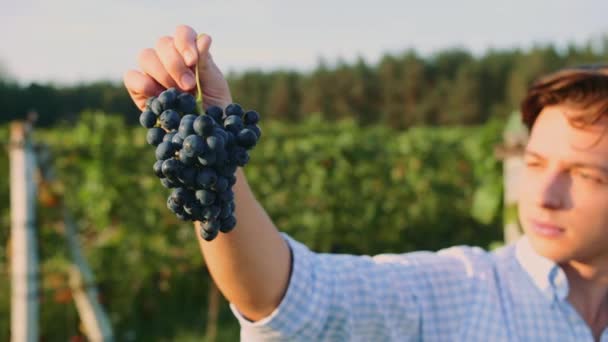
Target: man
(552, 285)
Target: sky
(70, 41)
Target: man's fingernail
(188, 80)
(189, 57)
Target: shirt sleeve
(340, 297)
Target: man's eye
(589, 177)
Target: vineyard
(335, 186)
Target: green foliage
(337, 187)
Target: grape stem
(199, 89)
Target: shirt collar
(548, 276)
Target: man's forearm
(251, 264)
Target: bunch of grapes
(197, 156)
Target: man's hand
(172, 63)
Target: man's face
(564, 188)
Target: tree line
(450, 87)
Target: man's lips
(546, 228)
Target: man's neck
(588, 292)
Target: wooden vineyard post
(515, 138)
(82, 283)
(24, 247)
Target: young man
(552, 285)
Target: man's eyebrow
(533, 154)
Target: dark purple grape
(206, 178)
(215, 143)
(149, 102)
(165, 150)
(188, 176)
(147, 119)
(207, 158)
(177, 141)
(186, 126)
(227, 224)
(158, 169)
(203, 125)
(256, 129)
(169, 120)
(234, 109)
(168, 98)
(251, 117)
(227, 195)
(169, 184)
(205, 197)
(155, 136)
(186, 103)
(186, 157)
(156, 107)
(220, 185)
(233, 123)
(210, 230)
(173, 206)
(216, 113)
(247, 138)
(194, 145)
(171, 168)
(211, 212)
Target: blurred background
(381, 125)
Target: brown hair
(584, 88)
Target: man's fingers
(140, 87)
(173, 63)
(203, 43)
(150, 64)
(185, 43)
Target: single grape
(256, 129)
(147, 119)
(149, 102)
(215, 143)
(211, 212)
(227, 196)
(234, 109)
(233, 123)
(209, 230)
(203, 125)
(251, 117)
(171, 168)
(156, 107)
(165, 150)
(158, 169)
(194, 145)
(155, 136)
(220, 185)
(207, 158)
(247, 138)
(169, 120)
(168, 98)
(185, 126)
(205, 197)
(216, 113)
(206, 178)
(188, 176)
(227, 224)
(173, 206)
(186, 103)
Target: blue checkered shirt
(456, 294)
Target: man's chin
(554, 250)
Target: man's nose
(553, 189)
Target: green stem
(199, 89)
